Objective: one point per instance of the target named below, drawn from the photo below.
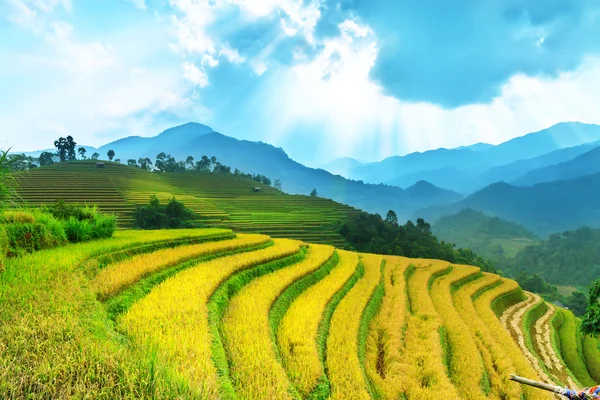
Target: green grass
(500, 304)
(216, 199)
(591, 354)
(570, 348)
(57, 341)
(370, 311)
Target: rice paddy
(247, 316)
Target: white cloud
(335, 94)
(232, 55)
(141, 4)
(351, 27)
(208, 60)
(195, 74)
(73, 56)
(21, 14)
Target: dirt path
(512, 320)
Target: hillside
(490, 237)
(543, 208)
(197, 140)
(187, 314)
(584, 164)
(217, 199)
(568, 258)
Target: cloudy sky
(321, 78)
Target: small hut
(99, 164)
(256, 189)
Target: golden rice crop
(425, 374)
(464, 360)
(255, 371)
(385, 343)
(522, 367)
(297, 336)
(496, 361)
(117, 276)
(345, 371)
(174, 315)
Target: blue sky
(321, 78)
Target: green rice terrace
(217, 199)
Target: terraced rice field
(216, 199)
(212, 314)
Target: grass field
(216, 199)
(210, 314)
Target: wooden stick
(540, 385)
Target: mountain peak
(189, 129)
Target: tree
(590, 322)
(203, 164)
(61, 146)
(7, 190)
(70, 148)
(117, 160)
(577, 303)
(132, 163)
(160, 160)
(391, 217)
(95, 156)
(189, 162)
(81, 152)
(110, 154)
(277, 184)
(314, 192)
(213, 161)
(145, 163)
(46, 158)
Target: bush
(3, 245)
(154, 215)
(102, 226)
(82, 223)
(55, 227)
(78, 231)
(27, 238)
(21, 217)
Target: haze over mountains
(548, 181)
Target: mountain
(197, 140)
(543, 208)
(477, 158)
(392, 168)
(585, 164)
(341, 166)
(448, 178)
(477, 147)
(491, 237)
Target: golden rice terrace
(211, 314)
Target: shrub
(26, 238)
(82, 223)
(21, 217)
(103, 226)
(3, 245)
(154, 215)
(78, 231)
(54, 226)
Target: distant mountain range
(544, 208)
(548, 181)
(469, 168)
